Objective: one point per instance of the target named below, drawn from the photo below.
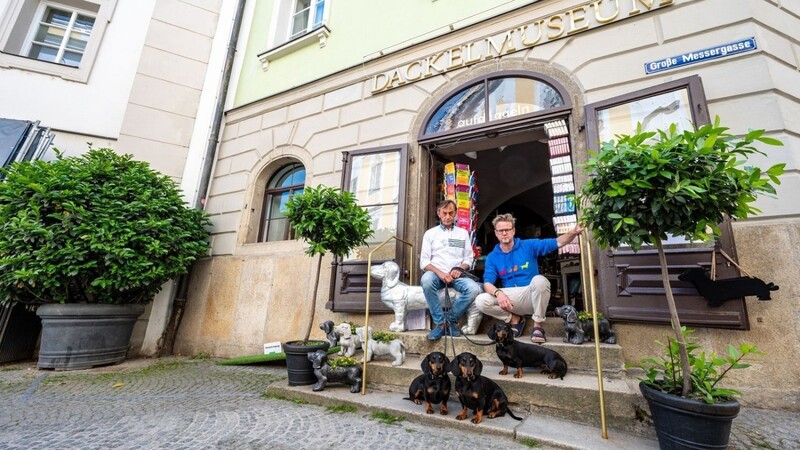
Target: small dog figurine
(396, 348)
(401, 298)
(433, 386)
(718, 292)
(575, 331)
(519, 354)
(476, 392)
(324, 373)
(347, 340)
(330, 332)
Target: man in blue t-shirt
(524, 291)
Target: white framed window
(55, 37)
(296, 24)
(60, 35)
(307, 16)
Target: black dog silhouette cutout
(718, 292)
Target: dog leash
(448, 304)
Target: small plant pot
(298, 366)
(683, 423)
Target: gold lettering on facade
(576, 16)
(556, 23)
(414, 65)
(455, 58)
(523, 31)
(572, 21)
(469, 59)
(599, 17)
(498, 51)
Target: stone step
(575, 398)
(580, 358)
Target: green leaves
(97, 228)
(329, 220)
(707, 370)
(648, 185)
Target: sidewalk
(184, 403)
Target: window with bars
(289, 180)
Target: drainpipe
(178, 302)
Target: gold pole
(366, 309)
(587, 272)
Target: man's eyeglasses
(504, 231)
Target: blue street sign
(706, 54)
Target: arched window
(287, 181)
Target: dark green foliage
(707, 370)
(329, 220)
(98, 228)
(646, 185)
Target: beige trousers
(527, 300)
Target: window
(382, 193)
(307, 16)
(59, 38)
(287, 181)
(494, 102)
(296, 24)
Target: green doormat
(258, 359)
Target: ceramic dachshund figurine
(330, 332)
(576, 331)
(401, 298)
(325, 374)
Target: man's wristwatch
(497, 292)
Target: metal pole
(587, 272)
(366, 308)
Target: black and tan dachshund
(519, 354)
(476, 392)
(433, 386)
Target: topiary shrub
(96, 228)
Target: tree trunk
(676, 323)
(313, 300)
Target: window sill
(317, 35)
(11, 61)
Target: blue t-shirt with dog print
(517, 267)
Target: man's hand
(455, 273)
(504, 302)
(447, 277)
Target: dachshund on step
(519, 354)
(476, 392)
(433, 386)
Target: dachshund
(324, 373)
(476, 392)
(400, 298)
(576, 330)
(330, 332)
(519, 354)
(433, 386)
(718, 292)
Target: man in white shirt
(446, 252)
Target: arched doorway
(511, 130)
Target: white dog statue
(396, 348)
(347, 340)
(401, 297)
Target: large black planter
(298, 366)
(80, 336)
(689, 424)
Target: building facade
(139, 77)
(378, 101)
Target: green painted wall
(359, 29)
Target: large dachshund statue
(718, 292)
(401, 297)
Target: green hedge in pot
(96, 228)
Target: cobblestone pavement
(177, 403)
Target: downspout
(167, 341)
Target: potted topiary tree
(650, 184)
(329, 220)
(91, 239)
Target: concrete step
(580, 358)
(535, 426)
(576, 397)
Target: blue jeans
(467, 289)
